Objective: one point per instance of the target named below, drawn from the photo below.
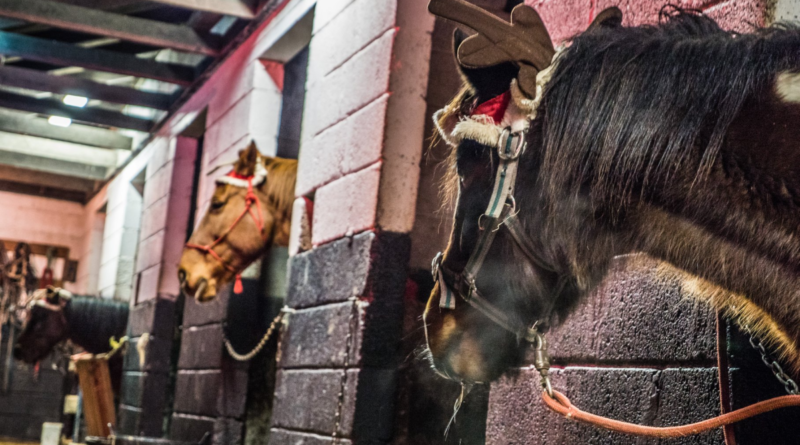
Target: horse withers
(678, 140)
(250, 211)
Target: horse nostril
(182, 276)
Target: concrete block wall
(361, 145)
(210, 388)
(31, 398)
(166, 204)
(637, 350)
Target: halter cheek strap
(249, 182)
(510, 146)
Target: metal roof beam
(42, 179)
(40, 81)
(64, 54)
(109, 24)
(89, 115)
(50, 165)
(12, 122)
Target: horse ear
(246, 165)
(608, 18)
(487, 82)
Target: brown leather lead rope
(724, 377)
(561, 404)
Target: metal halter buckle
(541, 360)
(437, 261)
(505, 141)
(472, 289)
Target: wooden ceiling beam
(108, 24)
(17, 123)
(65, 54)
(41, 81)
(238, 8)
(58, 108)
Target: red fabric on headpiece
(233, 174)
(494, 108)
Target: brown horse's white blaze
(251, 210)
(689, 154)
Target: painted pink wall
(44, 221)
(41, 220)
(565, 18)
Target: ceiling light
(75, 101)
(59, 121)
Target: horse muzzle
(201, 289)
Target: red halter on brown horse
(250, 211)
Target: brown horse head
(250, 211)
(45, 325)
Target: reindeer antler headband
(525, 41)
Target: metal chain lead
(777, 370)
(262, 343)
(343, 381)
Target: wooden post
(98, 397)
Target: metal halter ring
(472, 289)
(506, 137)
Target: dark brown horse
(679, 140)
(250, 211)
(55, 316)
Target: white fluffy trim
(480, 129)
(259, 177)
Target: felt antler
(525, 41)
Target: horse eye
(216, 205)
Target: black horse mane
(93, 321)
(628, 106)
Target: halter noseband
(234, 179)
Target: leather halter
(500, 212)
(236, 180)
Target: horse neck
(91, 322)
(742, 282)
(278, 196)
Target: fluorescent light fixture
(59, 121)
(75, 101)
